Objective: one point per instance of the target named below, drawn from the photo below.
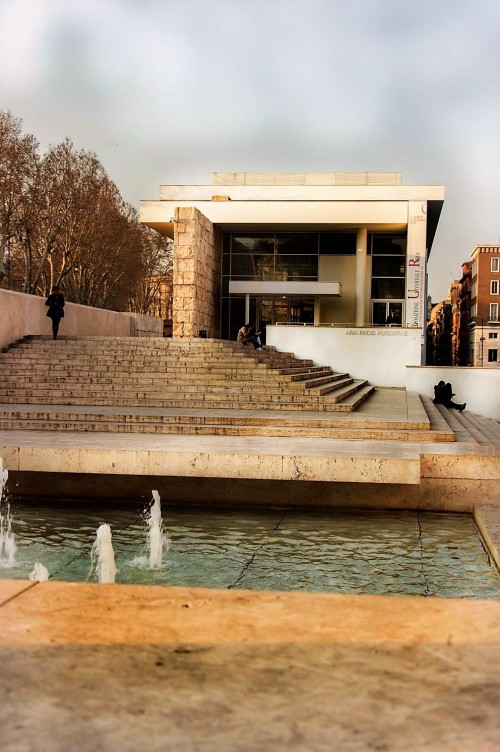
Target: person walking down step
(443, 394)
(55, 302)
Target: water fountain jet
(39, 573)
(157, 541)
(7, 543)
(102, 556)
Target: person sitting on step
(247, 335)
(443, 394)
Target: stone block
(359, 469)
(184, 251)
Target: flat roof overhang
(260, 216)
(298, 289)
(284, 214)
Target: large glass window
(302, 243)
(277, 257)
(252, 266)
(388, 288)
(337, 243)
(260, 244)
(383, 244)
(388, 265)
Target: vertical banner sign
(415, 264)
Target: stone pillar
(361, 248)
(196, 274)
(317, 310)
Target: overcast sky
(168, 91)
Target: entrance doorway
(282, 310)
(382, 308)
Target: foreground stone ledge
(62, 613)
(487, 518)
(213, 459)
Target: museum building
(297, 249)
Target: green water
(397, 553)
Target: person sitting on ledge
(443, 394)
(246, 335)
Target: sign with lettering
(416, 265)
(389, 332)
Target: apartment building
(485, 303)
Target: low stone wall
(389, 357)
(22, 314)
(378, 354)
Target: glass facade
(294, 257)
(388, 253)
(268, 257)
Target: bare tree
(18, 173)
(152, 291)
(63, 222)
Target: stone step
(126, 362)
(349, 386)
(60, 376)
(464, 426)
(280, 405)
(195, 417)
(173, 399)
(330, 378)
(30, 376)
(164, 386)
(333, 432)
(216, 422)
(300, 373)
(131, 366)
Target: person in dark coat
(443, 394)
(393, 318)
(55, 302)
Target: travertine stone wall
(196, 274)
(22, 314)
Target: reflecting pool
(397, 553)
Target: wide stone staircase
(206, 387)
(170, 373)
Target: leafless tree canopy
(63, 222)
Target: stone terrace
(181, 410)
(318, 671)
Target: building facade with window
(461, 302)
(485, 306)
(306, 249)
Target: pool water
(397, 553)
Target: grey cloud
(186, 87)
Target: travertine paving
(106, 667)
